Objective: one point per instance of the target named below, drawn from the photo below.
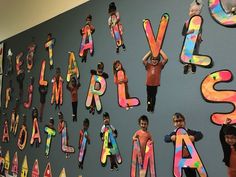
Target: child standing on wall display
(228, 143)
(115, 26)
(83, 133)
(73, 87)
(143, 135)
(179, 122)
(194, 9)
(153, 68)
(106, 124)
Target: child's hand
(192, 138)
(173, 137)
(227, 121)
(190, 31)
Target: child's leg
(113, 162)
(74, 109)
(190, 172)
(154, 93)
(149, 98)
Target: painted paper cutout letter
(155, 44)
(94, 94)
(22, 138)
(62, 128)
(30, 56)
(43, 89)
(72, 67)
(107, 150)
(14, 121)
(7, 162)
(8, 95)
(121, 81)
(50, 130)
(63, 173)
(27, 104)
(35, 169)
(48, 171)
(49, 46)
(222, 17)
(35, 129)
(14, 167)
(5, 136)
(24, 171)
(187, 55)
(180, 162)
(213, 95)
(149, 160)
(96, 89)
(87, 40)
(57, 88)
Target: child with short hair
(153, 68)
(106, 124)
(143, 135)
(228, 143)
(179, 122)
(73, 87)
(83, 133)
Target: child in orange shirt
(142, 135)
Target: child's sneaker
(186, 69)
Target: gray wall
(178, 92)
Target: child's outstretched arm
(170, 138)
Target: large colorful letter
(22, 138)
(49, 46)
(123, 99)
(57, 88)
(24, 171)
(7, 162)
(149, 159)
(27, 104)
(212, 95)
(180, 162)
(106, 150)
(35, 169)
(14, 167)
(83, 147)
(43, 82)
(94, 94)
(30, 56)
(35, 133)
(72, 67)
(87, 40)
(51, 132)
(187, 56)
(48, 171)
(63, 173)
(220, 16)
(14, 121)
(155, 44)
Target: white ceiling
(19, 15)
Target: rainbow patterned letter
(143, 163)
(180, 162)
(106, 150)
(155, 44)
(51, 132)
(219, 14)
(94, 93)
(210, 94)
(187, 56)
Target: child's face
(144, 125)
(118, 66)
(194, 10)
(86, 126)
(154, 61)
(179, 122)
(230, 140)
(106, 120)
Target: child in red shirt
(153, 68)
(142, 135)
